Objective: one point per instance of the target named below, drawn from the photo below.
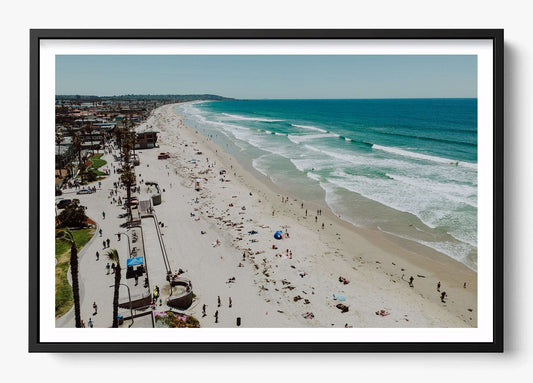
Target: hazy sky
(269, 76)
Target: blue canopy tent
(278, 234)
(134, 267)
(134, 261)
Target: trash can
(238, 321)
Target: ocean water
(407, 167)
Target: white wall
(513, 15)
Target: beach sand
(271, 289)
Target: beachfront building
(146, 140)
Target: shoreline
(355, 208)
(380, 262)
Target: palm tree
(59, 140)
(67, 237)
(128, 179)
(77, 142)
(112, 255)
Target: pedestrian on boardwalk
(103, 215)
(113, 267)
(108, 241)
(438, 286)
(103, 243)
(230, 302)
(442, 296)
(95, 307)
(203, 310)
(91, 322)
(136, 279)
(97, 256)
(107, 267)
(216, 316)
(100, 231)
(82, 324)
(411, 281)
(218, 301)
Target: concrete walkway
(94, 281)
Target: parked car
(63, 203)
(85, 191)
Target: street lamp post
(129, 246)
(131, 305)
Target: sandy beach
(226, 230)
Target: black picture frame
(494, 35)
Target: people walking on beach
(216, 316)
(203, 310)
(107, 241)
(95, 307)
(230, 302)
(90, 322)
(218, 301)
(113, 267)
(438, 286)
(100, 231)
(464, 285)
(322, 225)
(107, 268)
(103, 243)
(411, 281)
(103, 215)
(316, 218)
(306, 212)
(442, 296)
(97, 256)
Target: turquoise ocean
(407, 167)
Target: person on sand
(203, 310)
(90, 322)
(230, 302)
(464, 285)
(97, 256)
(442, 296)
(103, 215)
(322, 225)
(438, 286)
(411, 281)
(316, 218)
(107, 241)
(107, 267)
(95, 307)
(216, 316)
(218, 301)
(103, 243)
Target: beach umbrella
(278, 234)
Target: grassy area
(96, 163)
(64, 300)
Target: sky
(270, 76)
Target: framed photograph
(266, 191)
